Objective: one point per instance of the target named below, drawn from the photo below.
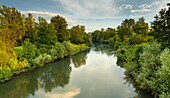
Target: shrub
(46, 58)
(5, 73)
(67, 47)
(150, 62)
(29, 52)
(160, 84)
(42, 59)
(58, 51)
(117, 44)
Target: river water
(93, 73)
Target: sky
(93, 14)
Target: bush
(67, 47)
(117, 44)
(160, 84)
(5, 73)
(58, 51)
(132, 68)
(46, 58)
(29, 52)
(128, 52)
(150, 61)
(42, 59)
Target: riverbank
(59, 51)
(80, 74)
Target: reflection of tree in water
(140, 93)
(129, 80)
(56, 74)
(103, 48)
(80, 58)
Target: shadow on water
(79, 59)
(103, 48)
(55, 75)
(140, 93)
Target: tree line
(145, 51)
(26, 44)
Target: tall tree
(141, 27)
(60, 24)
(161, 27)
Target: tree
(161, 27)
(60, 25)
(12, 26)
(141, 27)
(45, 33)
(77, 34)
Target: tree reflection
(55, 74)
(80, 58)
(103, 48)
(140, 93)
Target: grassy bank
(30, 57)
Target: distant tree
(77, 34)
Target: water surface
(89, 74)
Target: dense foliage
(26, 44)
(145, 51)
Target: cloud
(48, 15)
(140, 10)
(125, 6)
(145, 7)
(68, 94)
(90, 9)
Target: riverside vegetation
(26, 44)
(145, 51)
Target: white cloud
(90, 9)
(49, 15)
(125, 6)
(140, 10)
(145, 7)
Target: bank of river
(93, 73)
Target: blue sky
(94, 14)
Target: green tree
(141, 27)
(60, 25)
(77, 34)
(161, 26)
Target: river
(93, 73)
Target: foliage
(150, 61)
(160, 83)
(77, 34)
(76, 48)
(58, 51)
(60, 25)
(160, 27)
(26, 43)
(129, 53)
(5, 73)
(42, 59)
(29, 52)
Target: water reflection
(101, 78)
(80, 58)
(56, 74)
(103, 48)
